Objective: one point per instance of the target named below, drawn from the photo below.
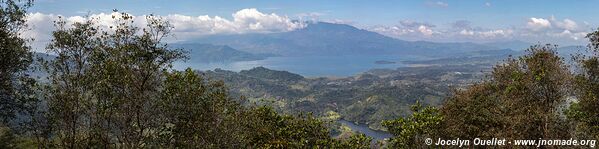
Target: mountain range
(322, 38)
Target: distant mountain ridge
(336, 39)
(205, 53)
(515, 45)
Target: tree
(586, 111)
(199, 112)
(473, 112)
(15, 57)
(521, 100)
(410, 132)
(17, 95)
(105, 82)
(265, 128)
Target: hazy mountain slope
(336, 39)
(569, 51)
(515, 45)
(204, 53)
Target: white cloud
(569, 34)
(496, 33)
(407, 29)
(567, 24)
(467, 32)
(537, 24)
(487, 34)
(554, 29)
(437, 4)
(488, 4)
(337, 21)
(425, 30)
(243, 21)
(545, 30)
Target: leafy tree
(272, 130)
(17, 94)
(15, 57)
(532, 89)
(357, 141)
(473, 112)
(410, 132)
(198, 112)
(520, 101)
(586, 111)
(105, 82)
(265, 128)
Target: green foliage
(262, 72)
(268, 129)
(7, 138)
(105, 82)
(411, 131)
(521, 100)
(357, 141)
(473, 112)
(15, 58)
(586, 112)
(277, 131)
(198, 112)
(367, 98)
(19, 103)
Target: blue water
(309, 66)
(375, 134)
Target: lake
(375, 134)
(308, 66)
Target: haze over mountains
(338, 39)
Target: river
(361, 128)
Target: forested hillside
(367, 98)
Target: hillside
(206, 53)
(367, 98)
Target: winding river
(375, 134)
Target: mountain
(336, 39)
(36, 69)
(206, 53)
(261, 72)
(515, 45)
(569, 51)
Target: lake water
(375, 134)
(309, 66)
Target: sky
(564, 22)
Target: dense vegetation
(367, 98)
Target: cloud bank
(533, 29)
(243, 21)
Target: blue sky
(563, 21)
